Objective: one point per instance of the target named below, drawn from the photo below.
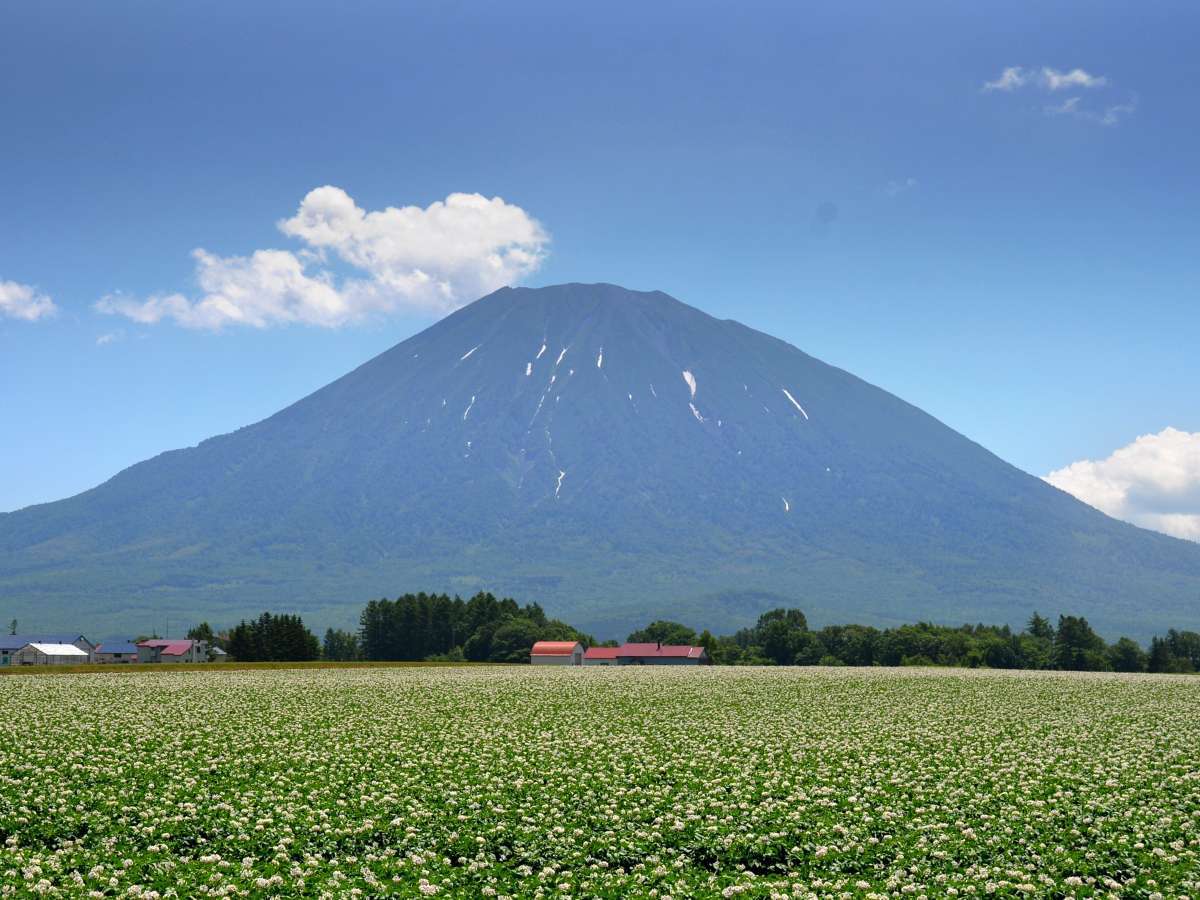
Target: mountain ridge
(612, 454)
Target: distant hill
(616, 456)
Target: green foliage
(1178, 652)
(490, 629)
(273, 638)
(340, 646)
(202, 632)
(1039, 627)
(1126, 656)
(1077, 647)
(663, 632)
(782, 637)
(436, 626)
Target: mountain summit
(612, 454)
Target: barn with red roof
(557, 653)
(647, 654)
(652, 654)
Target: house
(557, 653)
(160, 650)
(42, 654)
(116, 652)
(600, 656)
(11, 643)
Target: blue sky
(1019, 261)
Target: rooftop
(601, 653)
(117, 647)
(660, 650)
(17, 641)
(57, 649)
(168, 647)
(554, 648)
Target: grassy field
(654, 782)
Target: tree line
(782, 637)
(485, 628)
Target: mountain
(615, 455)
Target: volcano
(617, 456)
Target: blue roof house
(116, 652)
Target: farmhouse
(116, 652)
(159, 650)
(647, 655)
(557, 653)
(11, 643)
(39, 654)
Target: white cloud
(1110, 115)
(1010, 79)
(1076, 78)
(20, 301)
(1014, 77)
(895, 188)
(1153, 482)
(1049, 79)
(434, 259)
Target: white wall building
(49, 655)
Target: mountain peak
(616, 455)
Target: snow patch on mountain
(788, 394)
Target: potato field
(600, 782)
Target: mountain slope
(614, 455)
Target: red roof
(169, 648)
(600, 653)
(660, 650)
(554, 648)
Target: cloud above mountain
(356, 263)
(1153, 482)
(21, 301)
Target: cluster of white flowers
(650, 782)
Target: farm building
(11, 643)
(39, 654)
(600, 656)
(661, 655)
(646, 655)
(557, 653)
(116, 652)
(159, 650)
